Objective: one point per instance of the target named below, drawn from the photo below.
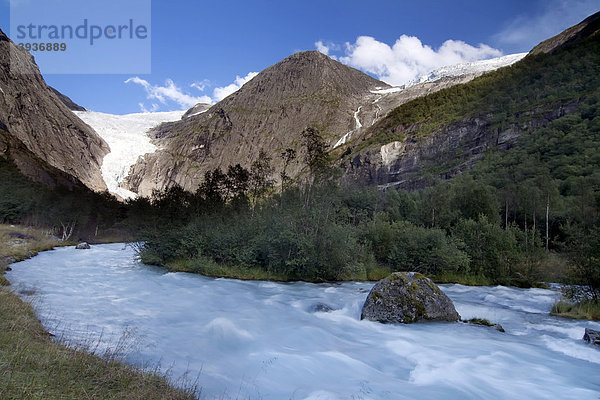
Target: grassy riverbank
(587, 309)
(33, 366)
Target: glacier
(450, 71)
(128, 140)
(475, 67)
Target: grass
(484, 322)
(18, 243)
(587, 309)
(210, 268)
(207, 267)
(33, 366)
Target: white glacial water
(261, 340)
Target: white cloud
(221, 92)
(170, 93)
(409, 58)
(323, 48)
(167, 93)
(202, 85)
(153, 108)
(327, 48)
(524, 32)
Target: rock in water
(592, 336)
(407, 297)
(82, 246)
(320, 307)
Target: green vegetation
(33, 366)
(480, 321)
(484, 322)
(318, 230)
(586, 309)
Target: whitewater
(266, 340)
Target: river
(264, 340)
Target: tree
(237, 182)
(584, 256)
(261, 172)
(288, 156)
(316, 153)
(213, 187)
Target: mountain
(268, 113)
(38, 132)
(445, 133)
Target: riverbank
(32, 365)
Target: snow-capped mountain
(476, 67)
(127, 138)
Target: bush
(403, 246)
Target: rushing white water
(264, 340)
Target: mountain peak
(304, 74)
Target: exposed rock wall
(31, 114)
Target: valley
(235, 240)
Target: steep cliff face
(36, 125)
(269, 113)
(441, 135)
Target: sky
(201, 51)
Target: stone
(407, 297)
(82, 246)
(592, 336)
(320, 307)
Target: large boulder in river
(407, 297)
(82, 246)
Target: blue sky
(206, 45)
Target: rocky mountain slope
(269, 113)
(443, 134)
(38, 132)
